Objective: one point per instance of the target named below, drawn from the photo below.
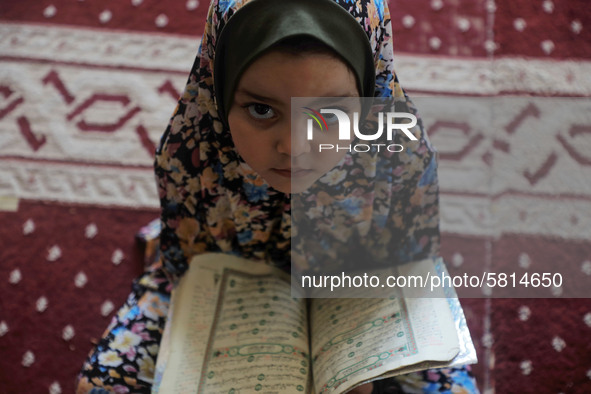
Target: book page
(358, 340)
(349, 339)
(467, 353)
(431, 317)
(214, 283)
(259, 339)
(186, 332)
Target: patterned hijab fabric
(242, 41)
(212, 201)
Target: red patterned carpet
(86, 89)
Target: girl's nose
(293, 142)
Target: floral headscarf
(213, 203)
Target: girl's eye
(330, 118)
(260, 111)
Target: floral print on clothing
(432, 381)
(213, 202)
(123, 360)
(202, 178)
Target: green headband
(260, 24)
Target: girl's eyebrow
(337, 97)
(257, 96)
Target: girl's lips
(291, 172)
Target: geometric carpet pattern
(86, 89)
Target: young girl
(227, 164)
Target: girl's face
(260, 116)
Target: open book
(234, 327)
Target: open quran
(235, 326)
